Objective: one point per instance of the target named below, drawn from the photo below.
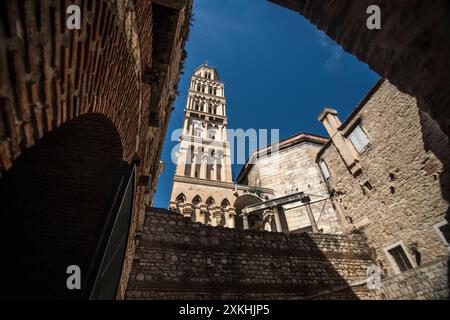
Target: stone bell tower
(203, 185)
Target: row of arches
(206, 89)
(197, 200)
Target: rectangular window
(359, 138)
(325, 171)
(399, 258)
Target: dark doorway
(55, 202)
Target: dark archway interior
(54, 203)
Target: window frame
(322, 161)
(391, 259)
(436, 227)
(352, 130)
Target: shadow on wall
(178, 259)
(53, 206)
(438, 143)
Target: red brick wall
(50, 75)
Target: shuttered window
(359, 139)
(325, 171)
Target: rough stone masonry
(179, 259)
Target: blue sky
(279, 72)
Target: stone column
(312, 220)
(276, 216)
(215, 167)
(203, 168)
(194, 164)
(186, 126)
(244, 216)
(231, 219)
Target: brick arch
(55, 200)
(50, 79)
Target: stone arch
(210, 202)
(181, 199)
(225, 203)
(55, 203)
(240, 203)
(197, 200)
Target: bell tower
(203, 184)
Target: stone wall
(411, 49)
(292, 170)
(178, 259)
(429, 282)
(400, 193)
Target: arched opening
(197, 200)
(181, 199)
(56, 202)
(210, 202)
(242, 202)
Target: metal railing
(106, 269)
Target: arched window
(197, 106)
(225, 203)
(210, 90)
(199, 88)
(202, 107)
(215, 91)
(197, 200)
(210, 202)
(181, 199)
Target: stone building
(203, 187)
(384, 168)
(291, 172)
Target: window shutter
(358, 139)
(325, 170)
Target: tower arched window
(210, 90)
(210, 202)
(181, 199)
(225, 203)
(199, 88)
(197, 200)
